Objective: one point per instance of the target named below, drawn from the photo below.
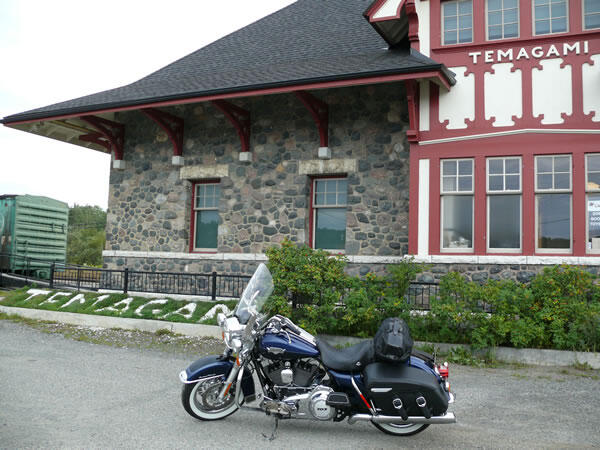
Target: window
(504, 204)
(457, 21)
(550, 16)
(553, 203)
(206, 216)
(329, 213)
(591, 14)
(592, 183)
(503, 19)
(457, 205)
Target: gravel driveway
(58, 392)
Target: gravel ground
(162, 340)
(61, 390)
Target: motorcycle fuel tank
(286, 346)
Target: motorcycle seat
(346, 359)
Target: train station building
(465, 133)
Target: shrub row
(559, 309)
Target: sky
(51, 51)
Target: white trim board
(358, 259)
(250, 257)
(509, 260)
(509, 133)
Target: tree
(86, 237)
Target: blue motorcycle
(383, 381)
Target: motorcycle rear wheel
(404, 429)
(200, 400)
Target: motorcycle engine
(298, 388)
(289, 377)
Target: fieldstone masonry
(266, 200)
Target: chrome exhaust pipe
(434, 420)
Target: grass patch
(115, 305)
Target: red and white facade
(510, 151)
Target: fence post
(78, 279)
(125, 280)
(52, 275)
(214, 286)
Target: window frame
(533, 20)
(584, 14)
(443, 28)
(504, 191)
(589, 191)
(314, 209)
(487, 24)
(538, 192)
(196, 210)
(457, 192)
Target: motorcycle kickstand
(274, 433)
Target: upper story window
(206, 216)
(550, 16)
(502, 19)
(457, 21)
(330, 197)
(591, 14)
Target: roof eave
(439, 73)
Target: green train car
(33, 234)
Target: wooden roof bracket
(319, 110)
(412, 97)
(110, 135)
(173, 126)
(240, 119)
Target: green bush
(560, 308)
(329, 300)
(308, 277)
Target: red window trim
(526, 27)
(527, 147)
(193, 215)
(311, 211)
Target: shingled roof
(309, 41)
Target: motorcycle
(383, 381)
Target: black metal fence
(212, 285)
(60, 275)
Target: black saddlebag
(392, 342)
(387, 382)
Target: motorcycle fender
(213, 365)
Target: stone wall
(481, 273)
(266, 200)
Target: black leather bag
(392, 342)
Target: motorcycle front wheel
(201, 400)
(398, 429)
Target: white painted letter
(522, 54)
(537, 52)
(571, 48)
(552, 51)
(58, 294)
(138, 312)
(35, 293)
(508, 54)
(78, 298)
(586, 46)
(126, 302)
(189, 309)
(475, 55)
(488, 56)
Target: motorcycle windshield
(255, 295)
